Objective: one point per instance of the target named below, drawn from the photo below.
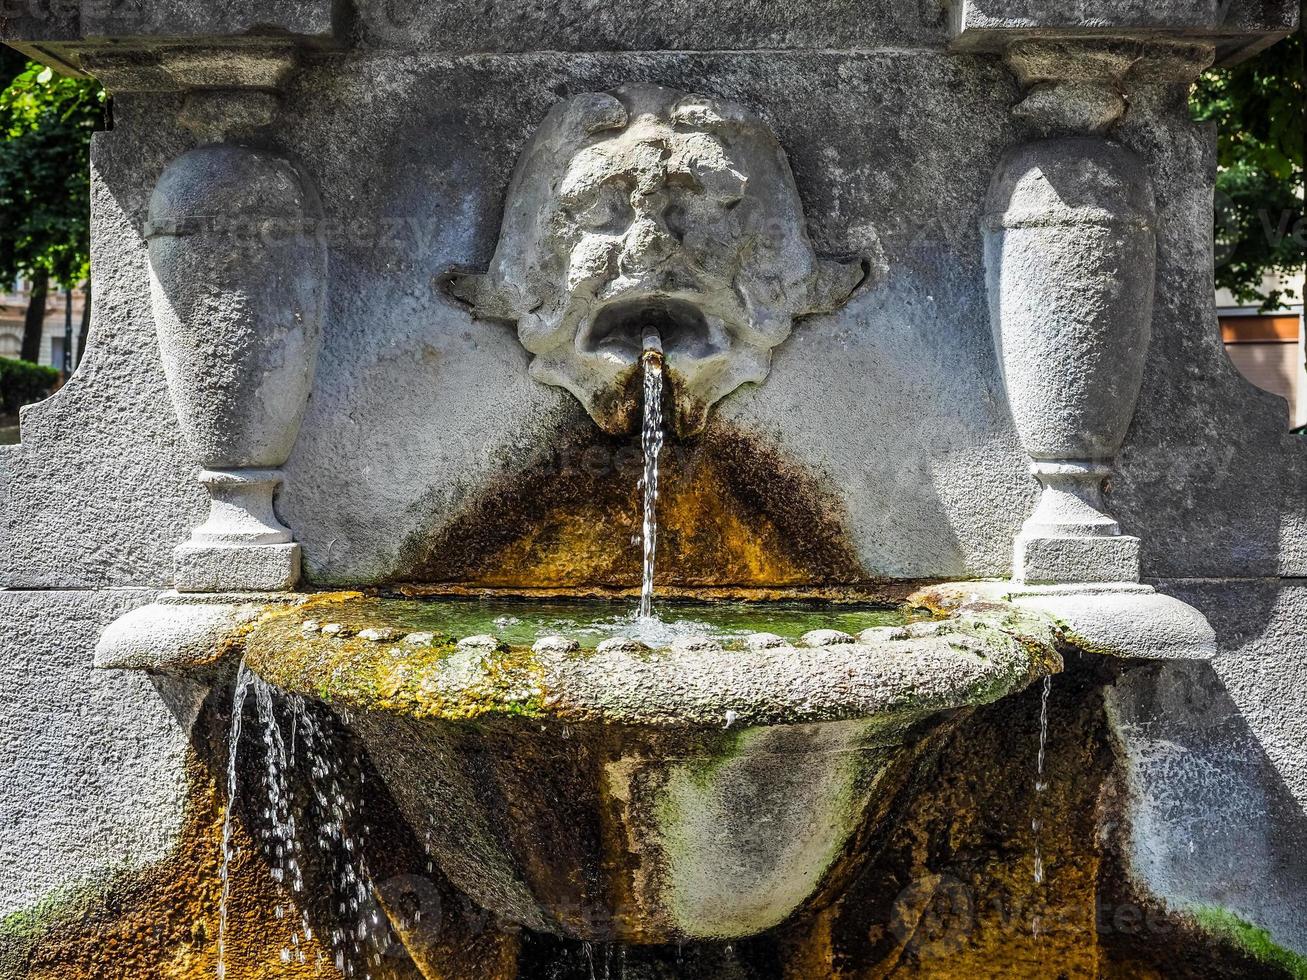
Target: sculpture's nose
(649, 241)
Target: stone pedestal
(242, 544)
(1070, 537)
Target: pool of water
(520, 622)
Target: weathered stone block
(223, 568)
(1076, 559)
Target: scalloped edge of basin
(643, 796)
(972, 657)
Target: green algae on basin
(684, 790)
(520, 622)
(401, 656)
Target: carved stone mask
(645, 207)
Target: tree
(1260, 107)
(46, 123)
(34, 320)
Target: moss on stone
(374, 676)
(22, 931)
(1252, 939)
(695, 820)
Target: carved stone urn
(1069, 256)
(237, 281)
(1070, 261)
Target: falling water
(1041, 786)
(243, 678)
(358, 918)
(651, 440)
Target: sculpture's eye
(694, 213)
(675, 220)
(608, 210)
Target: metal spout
(652, 342)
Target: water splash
(651, 441)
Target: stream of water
(295, 741)
(651, 441)
(1041, 786)
(243, 678)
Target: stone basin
(703, 790)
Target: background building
(13, 309)
(1268, 348)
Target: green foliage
(1258, 107)
(22, 383)
(46, 122)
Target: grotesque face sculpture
(648, 207)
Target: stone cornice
(71, 34)
(1236, 29)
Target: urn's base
(236, 567)
(1063, 559)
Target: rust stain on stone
(949, 890)
(162, 922)
(732, 513)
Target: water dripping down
(243, 680)
(1041, 786)
(291, 734)
(651, 441)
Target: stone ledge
(35, 21)
(60, 34)
(1238, 29)
(1113, 619)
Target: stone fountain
(644, 209)
(929, 302)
